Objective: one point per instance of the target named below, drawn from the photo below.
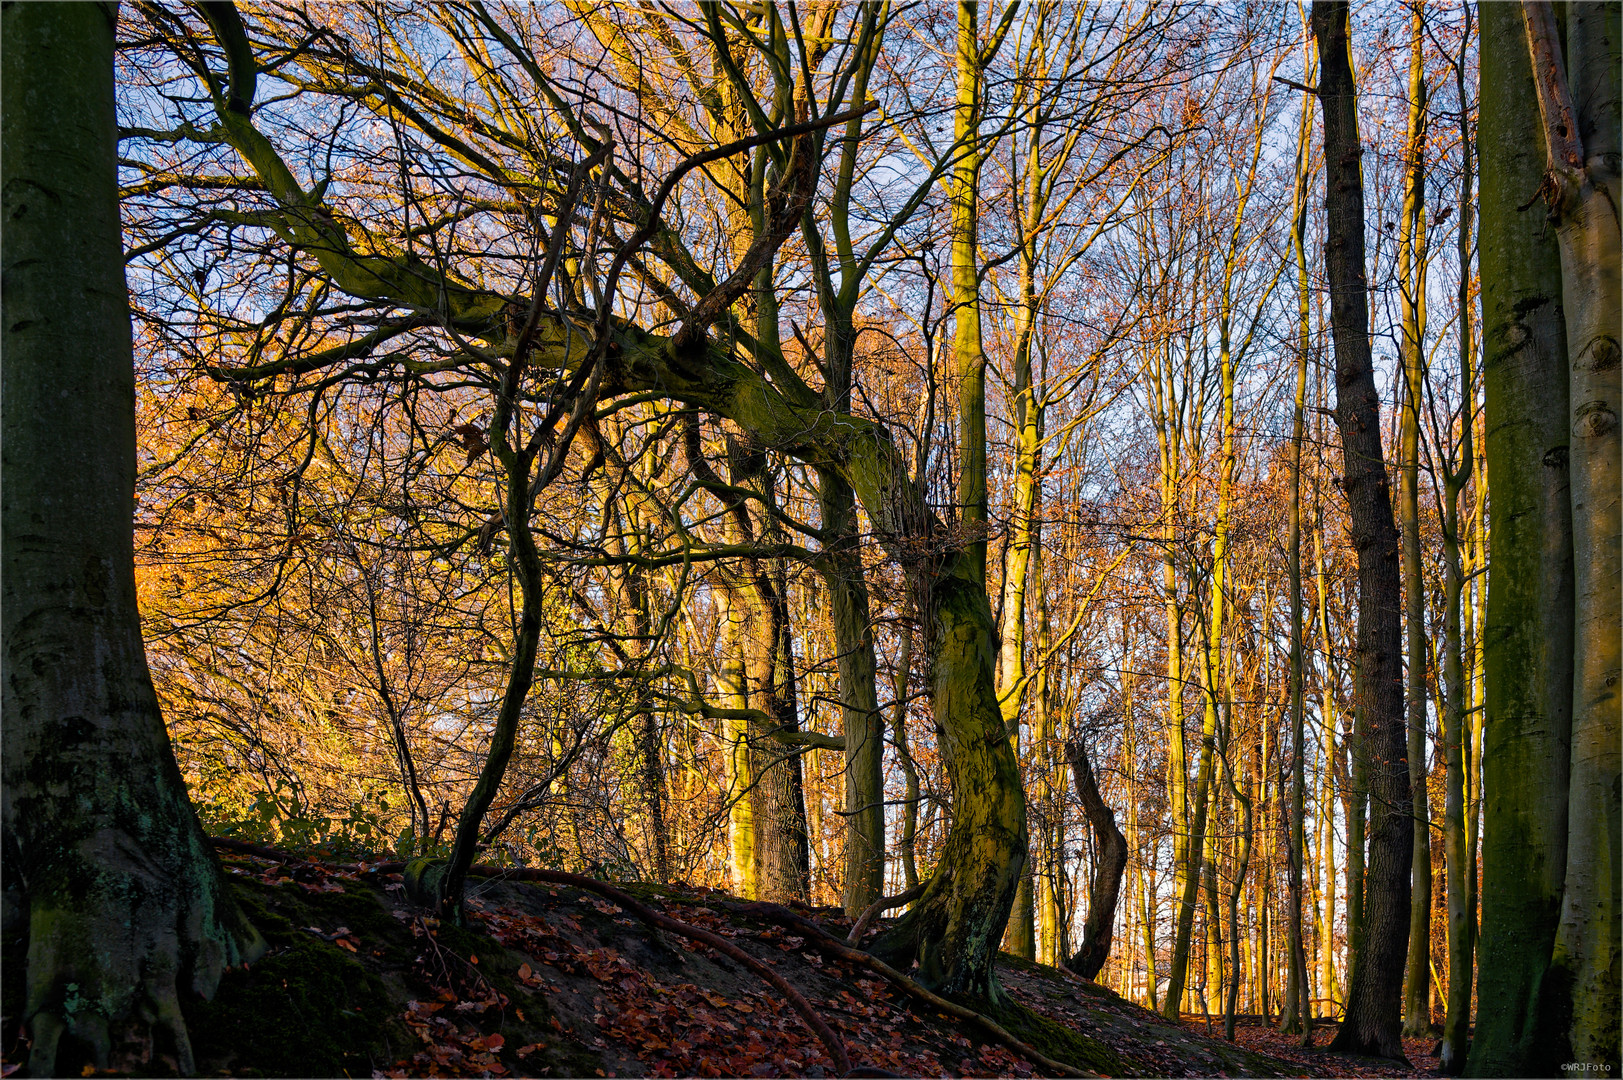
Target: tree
(1528, 638)
(1413, 255)
(1105, 888)
(1456, 455)
(599, 355)
(126, 908)
(1374, 995)
(1297, 1015)
(1580, 104)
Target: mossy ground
(308, 1007)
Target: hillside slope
(553, 980)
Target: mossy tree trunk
(954, 931)
(1527, 638)
(125, 907)
(1375, 988)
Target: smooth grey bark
(1581, 103)
(126, 911)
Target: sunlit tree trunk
(1170, 456)
(1024, 530)
(732, 689)
(954, 930)
(1461, 860)
(1412, 259)
(1330, 718)
(1296, 1016)
(1130, 756)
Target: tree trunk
(861, 721)
(1461, 866)
(1527, 638)
(1111, 864)
(1412, 259)
(1146, 916)
(1581, 117)
(1374, 995)
(1296, 1017)
(125, 906)
(954, 930)
(732, 687)
(907, 841)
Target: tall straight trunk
(1177, 753)
(732, 688)
(1024, 529)
(1216, 709)
(1375, 989)
(782, 844)
(1581, 118)
(1329, 988)
(861, 720)
(1333, 759)
(782, 849)
(1049, 931)
(969, 355)
(849, 604)
(1461, 866)
(1136, 852)
(1296, 1017)
(632, 584)
(1051, 907)
(1242, 862)
(125, 908)
(1412, 259)
(1528, 628)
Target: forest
(1117, 496)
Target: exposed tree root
(884, 903)
(838, 949)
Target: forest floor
(554, 981)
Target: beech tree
(125, 908)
